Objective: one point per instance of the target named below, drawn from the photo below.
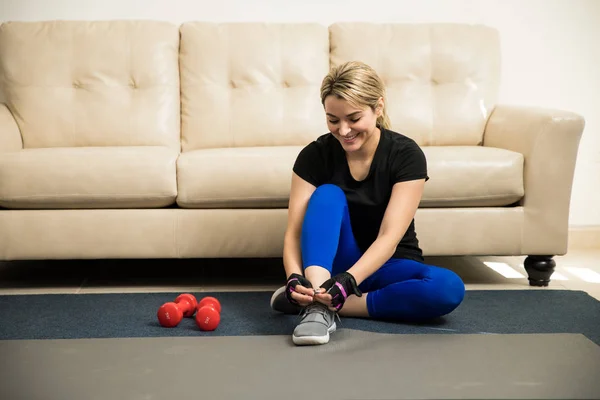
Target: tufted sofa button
(76, 85)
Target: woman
(350, 245)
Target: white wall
(551, 48)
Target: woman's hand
(303, 296)
(298, 290)
(322, 297)
(336, 290)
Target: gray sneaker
(280, 303)
(316, 324)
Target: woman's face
(350, 125)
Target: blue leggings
(401, 289)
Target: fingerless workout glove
(340, 287)
(293, 281)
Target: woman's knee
(328, 193)
(447, 290)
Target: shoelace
(320, 309)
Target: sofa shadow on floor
(221, 274)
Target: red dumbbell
(208, 314)
(210, 301)
(170, 314)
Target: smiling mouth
(350, 138)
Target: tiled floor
(578, 270)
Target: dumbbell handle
(186, 303)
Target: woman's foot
(316, 324)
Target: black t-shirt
(397, 158)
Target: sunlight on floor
(558, 277)
(509, 272)
(584, 274)
(504, 269)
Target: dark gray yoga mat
(354, 365)
(74, 316)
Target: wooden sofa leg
(539, 269)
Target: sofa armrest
(549, 141)
(10, 136)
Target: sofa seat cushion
(88, 177)
(242, 177)
(260, 177)
(472, 176)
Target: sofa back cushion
(92, 83)
(252, 84)
(441, 79)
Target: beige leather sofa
(146, 139)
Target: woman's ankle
(316, 275)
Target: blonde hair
(358, 84)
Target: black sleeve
(409, 164)
(309, 164)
